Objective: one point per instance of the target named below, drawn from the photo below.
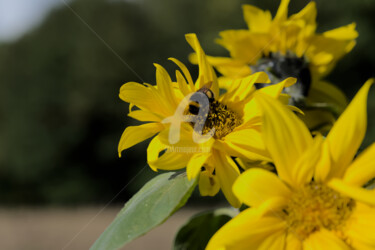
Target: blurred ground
(54, 228)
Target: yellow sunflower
(290, 47)
(203, 137)
(318, 200)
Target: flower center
(218, 116)
(279, 67)
(317, 206)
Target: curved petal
(145, 116)
(348, 132)
(364, 195)
(136, 134)
(324, 239)
(167, 161)
(274, 90)
(246, 231)
(361, 229)
(165, 87)
(246, 143)
(243, 45)
(182, 85)
(171, 161)
(282, 12)
(141, 96)
(274, 242)
(308, 14)
(323, 166)
(195, 164)
(229, 67)
(327, 48)
(185, 71)
(153, 151)
(227, 172)
(307, 163)
(241, 89)
(362, 169)
(285, 136)
(208, 184)
(257, 20)
(347, 32)
(292, 242)
(257, 185)
(206, 72)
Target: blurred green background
(60, 115)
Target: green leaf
(152, 205)
(196, 233)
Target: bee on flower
(319, 199)
(289, 47)
(196, 127)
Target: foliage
(152, 205)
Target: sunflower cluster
(269, 132)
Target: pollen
(316, 207)
(219, 117)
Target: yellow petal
(227, 172)
(347, 32)
(324, 51)
(326, 240)
(274, 242)
(285, 136)
(348, 132)
(136, 134)
(208, 184)
(242, 88)
(257, 20)
(282, 12)
(165, 86)
(206, 72)
(364, 195)
(362, 169)
(141, 96)
(360, 228)
(195, 164)
(274, 90)
(256, 186)
(246, 231)
(292, 242)
(169, 160)
(323, 166)
(245, 143)
(229, 67)
(243, 45)
(153, 151)
(184, 88)
(308, 14)
(185, 71)
(145, 116)
(306, 164)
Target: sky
(19, 16)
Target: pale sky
(19, 16)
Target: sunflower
(290, 47)
(319, 200)
(203, 137)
